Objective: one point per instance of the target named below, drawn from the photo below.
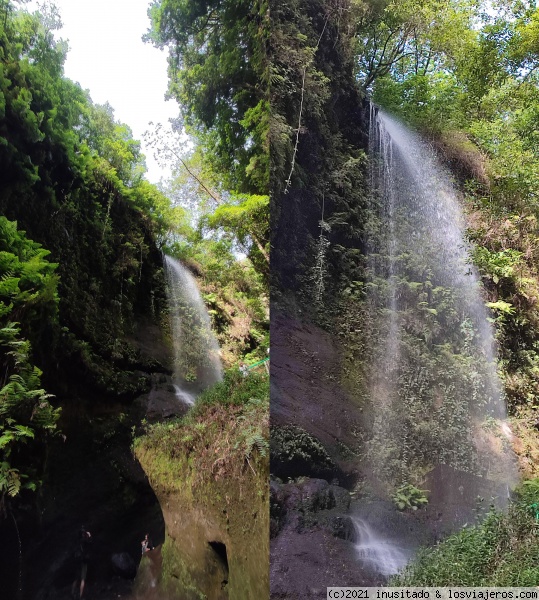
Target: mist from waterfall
(377, 552)
(197, 364)
(435, 397)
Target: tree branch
(218, 201)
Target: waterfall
(379, 554)
(435, 400)
(197, 364)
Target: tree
(218, 75)
(424, 34)
(244, 216)
(113, 141)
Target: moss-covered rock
(210, 473)
(295, 453)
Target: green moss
(176, 577)
(294, 453)
(213, 464)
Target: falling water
(196, 352)
(379, 554)
(436, 399)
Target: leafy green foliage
(500, 552)
(71, 175)
(410, 36)
(425, 387)
(27, 293)
(497, 265)
(295, 453)
(235, 293)
(407, 496)
(217, 73)
(113, 142)
(479, 104)
(234, 390)
(223, 436)
(318, 149)
(244, 216)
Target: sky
(108, 57)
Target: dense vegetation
(467, 81)
(28, 295)
(466, 78)
(317, 149)
(72, 177)
(212, 466)
(216, 458)
(218, 74)
(464, 75)
(222, 181)
(500, 552)
(221, 435)
(477, 100)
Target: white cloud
(108, 57)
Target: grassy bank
(210, 473)
(502, 551)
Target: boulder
(343, 527)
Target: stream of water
(435, 396)
(197, 366)
(377, 552)
(197, 363)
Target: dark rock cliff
(312, 413)
(313, 87)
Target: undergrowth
(294, 453)
(503, 551)
(212, 466)
(224, 435)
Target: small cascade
(197, 364)
(184, 395)
(378, 554)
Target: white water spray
(434, 380)
(436, 401)
(197, 364)
(377, 553)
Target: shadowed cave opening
(220, 550)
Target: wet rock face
(161, 402)
(306, 503)
(313, 417)
(457, 497)
(313, 540)
(343, 527)
(312, 545)
(91, 477)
